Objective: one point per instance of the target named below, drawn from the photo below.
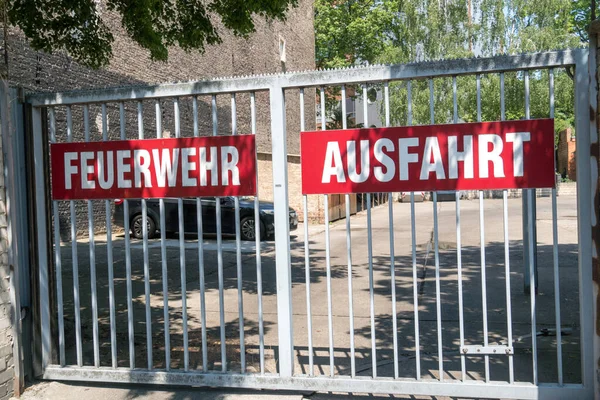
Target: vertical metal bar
(551, 90)
(482, 250)
(461, 320)
(58, 257)
(531, 249)
(438, 301)
(200, 227)
(386, 99)
(349, 254)
(532, 291)
(219, 252)
(370, 253)
(261, 336)
(163, 254)
(126, 219)
(110, 260)
(307, 254)
(238, 246)
(409, 103)
(329, 302)
(182, 265)
(74, 257)
(327, 253)
(502, 100)
(414, 250)
(282, 231)
(525, 206)
(42, 234)
(413, 236)
(371, 291)
(92, 254)
(526, 79)
(386, 93)
(511, 374)
(454, 100)
(431, 102)
(555, 253)
(478, 78)
(140, 118)
(483, 284)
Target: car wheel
(137, 227)
(248, 229)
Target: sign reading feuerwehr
(487, 155)
(154, 168)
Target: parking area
(426, 287)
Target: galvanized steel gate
(132, 341)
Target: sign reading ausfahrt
(468, 156)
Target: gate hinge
(486, 350)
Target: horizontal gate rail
(376, 73)
(355, 385)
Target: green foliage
(76, 27)
(355, 32)
(581, 16)
(351, 31)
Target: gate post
(42, 239)
(282, 231)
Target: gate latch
(487, 350)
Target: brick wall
(565, 162)
(131, 66)
(6, 351)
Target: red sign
(486, 155)
(154, 168)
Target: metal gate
(188, 311)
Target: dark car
(209, 222)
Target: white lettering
(332, 155)
(485, 155)
(365, 164)
(405, 157)
(70, 169)
(122, 168)
(142, 166)
(385, 160)
(109, 180)
(211, 165)
(228, 165)
(187, 166)
(166, 168)
(432, 148)
(86, 170)
(454, 156)
(517, 139)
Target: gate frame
(277, 84)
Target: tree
(76, 27)
(417, 30)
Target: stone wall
(6, 350)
